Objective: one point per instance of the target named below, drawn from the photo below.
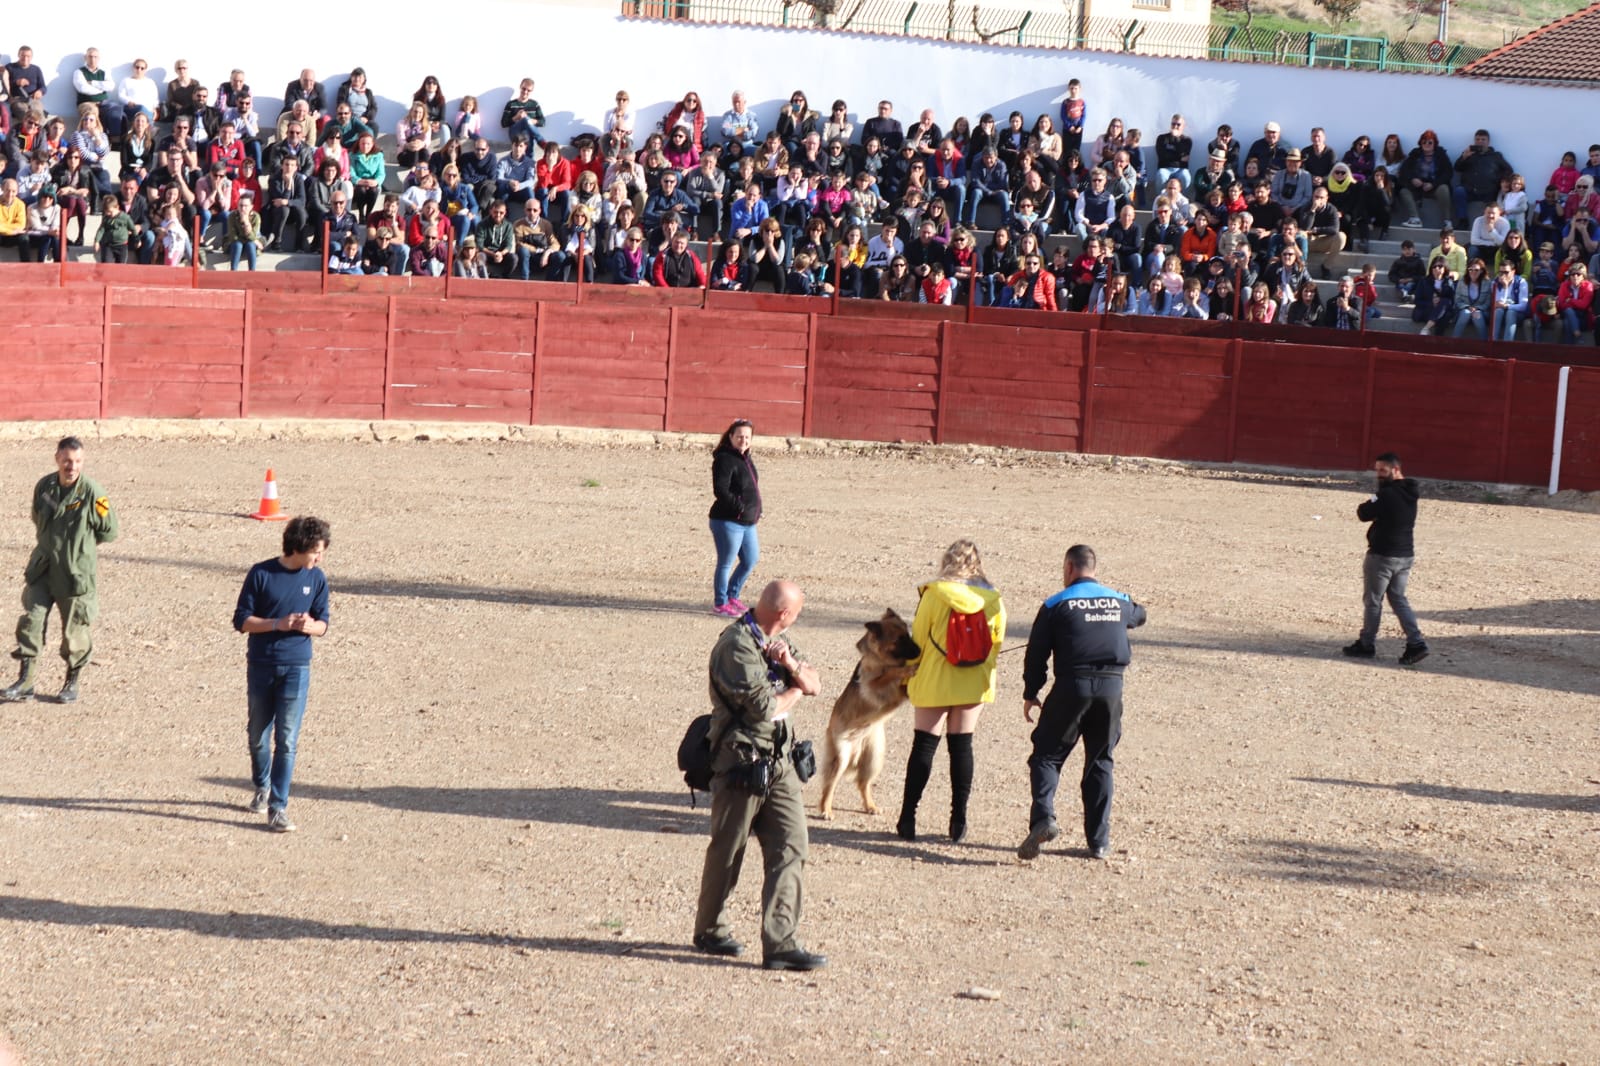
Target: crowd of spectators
(817, 204)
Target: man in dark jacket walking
(1083, 631)
(1392, 510)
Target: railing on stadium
(1060, 29)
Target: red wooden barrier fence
(261, 345)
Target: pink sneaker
(737, 604)
(727, 610)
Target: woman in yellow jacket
(942, 691)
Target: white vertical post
(1561, 429)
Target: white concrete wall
(582, 56)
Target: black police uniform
(1084, 629)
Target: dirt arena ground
(1315, 860)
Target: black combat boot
(69, 691)
(23, 689)
(918, 768)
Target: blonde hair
(961, 562)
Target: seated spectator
(1269, 151)
(679, 267)
(468, 122)
(292, 144)
(898, 284)
(578, 251)
(1513, 201)
(1344, 310)
(629, 264)
(1291, 186)
(515, 179)
(304, 90)
(383, 254)
(1127, 242)
(554, 179)
(1152, 300)
(1316, 158)
(731, 270)
(469, 261)
(1163, 237)
(1565, 177)
(479, 169)
(286, 207)
(617, 131)
(1516, 252)
(346, 257)
(1261, 308)
(1198, 244)
(75, 188)
(173, 247)
(241, 114)
(796, 119)
(936, 288)
(1474, 301)
(668, 198)
(363, 103)
(885, 128)
(244, 234)
(1040, 293)
(431, 257)
(428, 217)
(415, 135)
(1425, 173)
(1546, 218)
(497, 243)
(44, 227)
(136, 206)
(1454, 255)
(586, 194)
(14, 220)
(768, 255)
(1510, 302)
(1489, 232)
(1478, 171)
(207, 119)
(1578, 239)
(138, 93)
(538, 248)
(1575, 302)
(1435, 298)
(739, 123)
(690, 114)
(1324, 230)
(346, 125)
(367, 169)
(1407, 272)
(1360, 160)
(1173, 149)
(215, 198)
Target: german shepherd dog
(854, 742)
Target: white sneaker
(278, 822)
(258, 802)
(1412, 223)
(1427, 328)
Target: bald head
(779, 606)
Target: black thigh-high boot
(960, 783)
(919, 764)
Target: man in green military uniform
(72, 518)
(757, 677)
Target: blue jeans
(735, 541)
(277, 696)
(1163, 173)
(1384, 577)
(1506, 327)
(247, 249)
(1572, 326)
(525, 129)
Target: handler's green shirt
(741, 693)
(71, 523)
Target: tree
(1237, 6)
(1339, 11)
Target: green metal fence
(945, 20)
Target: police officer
(757, 677)
(71, 517)
(1084, 627)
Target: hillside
(1483, 23)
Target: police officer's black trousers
(1090, 708)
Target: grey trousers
(1385, 577)
(778, 822)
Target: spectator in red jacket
(1041, 291)
(555, 177)
(1575, 302)
(678, 267)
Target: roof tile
(1566, 50)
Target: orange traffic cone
(270, 511)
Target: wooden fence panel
(603, 365)
(748, 364)
(878, 382)
(1531, 428)
(462, 360)
(1161, 396)
(175, 353)
(1441, 414)
(1013, 386)
(317, 356)
(1580, 449)
(50, 359)
(1300, 405)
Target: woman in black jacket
(734, 515)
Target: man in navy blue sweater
(1084, 629)
(284, 603)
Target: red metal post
(942, 369)
(539, 329)
(326, 231)
(1366, 417)
(388, 356)
(194, 256)
(838, 278)
(1086, 399)
(449, 263)
(811, 374)
(61, 250)
(1237, 352)
(972, 289)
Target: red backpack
(966, 639)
